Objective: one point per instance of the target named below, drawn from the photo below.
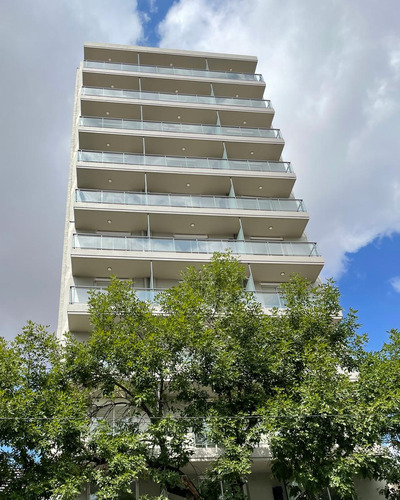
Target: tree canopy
(206, 360)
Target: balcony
(172, 71)
(209, 176)
(177, 98)
(98, 210)
(203, 246)
(137, 257)
(164, 57)
(189, 201)
(80, 295)
(78, 317)
(184, 162)
(170, 85)
(180, 128)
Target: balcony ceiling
(78, 321)
(108, 80)
(159, 143)
(158, 83)
(282, 224)
(185, 59)
(97, 220)
(169, 112)
(168, 266)
(98, 267)
(110, 142)
(211, 182)
(289, 225)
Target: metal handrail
(202, 73)
(195, 245)
(187, 201)
(177, 97)
(199, 128)
(85, 155)
(79, 295)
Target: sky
(332, 70)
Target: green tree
(314, 420)
(169, 375)
(205, 359)
(42, 418)
(379, 379)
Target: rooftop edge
(159, 50)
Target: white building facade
(174, 156)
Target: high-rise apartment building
(174, 156)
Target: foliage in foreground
(127, 403)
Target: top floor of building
(172, 62)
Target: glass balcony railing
(168, 70)
(190, 128)
(198, 246)
(180, 98)
(183, 161)
(188, 201)
(269, 299)
(80, 295)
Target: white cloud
(332, 71)
(113, 21)
(41, 47)
(395, 282)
